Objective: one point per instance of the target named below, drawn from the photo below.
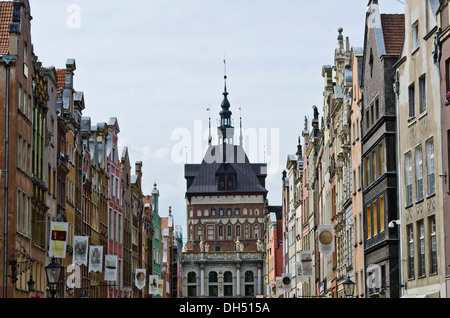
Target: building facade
(419, 120)
(357, 199)
(382, 43)
(225, 201)
(443, 20)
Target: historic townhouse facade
(225, 202)
(443, 20)
(327, 172)
(355, 133)
(115, 209)
(339, 115)
(128, 274)
(16, 71)
(382, 43)
(419, 120)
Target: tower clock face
(326, 237)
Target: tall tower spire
(225, 130)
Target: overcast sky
(157, 65)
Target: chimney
(138, 168)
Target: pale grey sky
(157, 65)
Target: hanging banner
(139, 278)
(305, 264)
(160, 287)
(153, 284)
(80, 249)
(272, 290)
(110, 267)
(326, 239)
(279, 286)
(58, 239)
(95, 258)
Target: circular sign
(326, 237)
(140, 276)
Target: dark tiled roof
(5, 20)
(393, 32)
(202, 177)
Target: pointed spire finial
(209, 137)
(240, 133)
(225, 74)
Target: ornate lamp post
(349, 287)
(53, 273)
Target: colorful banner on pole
(58, 239)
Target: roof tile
(5, 20)
(393, 32)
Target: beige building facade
(420, 188)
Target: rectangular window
(373, 166)
(360, 227)
(415, 35)
(447, 71)
(377, 109)
(380, 159)
(359, 177)
(421, 249)
(430, 167)
(221, 185)
(367, 172)
(375, 218)
(412, 104)
(357, 128)
(411, 252)
(367, 119)
(433, 249)
(372, 116)
(422, 94)
(369, 223)
(381, 214)
(408, 179)
(419, 174)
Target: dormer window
(226, 178)
(230, 183)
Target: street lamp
(31, 283)
(349, 287)
(53, 272)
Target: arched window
(229, 230)
(199, 232)
(256, 231)
(238, 230)
(228, 284)
(192, 284)
(213, 284)
(249, 284)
